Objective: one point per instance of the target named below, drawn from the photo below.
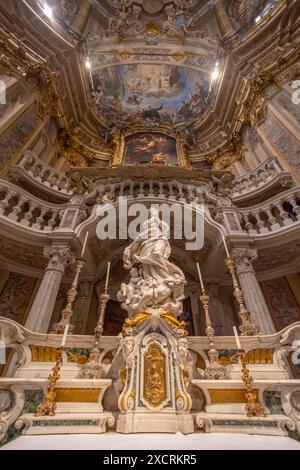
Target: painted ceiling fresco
(243, 12)
(167, 94)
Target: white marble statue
(155, 281)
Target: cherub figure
(128, 292)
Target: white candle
(107, 276)
(200, 277)
(237, 339)
(64, 338)
(226, 247)
(84, 244)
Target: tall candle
(64, 338)
(107, 276)
(226, 247)
(237, 339)
(200, 277)
(84, 244)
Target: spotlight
(215, 74)
(257, 19)
(88, 63)
(47, 11)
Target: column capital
(58, 256)
(244, 258)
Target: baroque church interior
(184, 103)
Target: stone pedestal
(253, 295)
(154, 398)
(41, 311)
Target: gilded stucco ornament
(231, 151)
(74, 152)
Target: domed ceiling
(140, 65)
(153, 80)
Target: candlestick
(247, 328)
(200, 277)
(107, 276)
(92, 369)
(252, 406)
(64, 338)
(237, 339)
(84, 244)
(67, 313)
(226, 247)
(214, 370)
(48, 407)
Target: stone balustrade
(43, 173)
(278, 212)
(171, 190)
(260, 178)
(18, 205)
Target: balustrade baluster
(17, 209)
(286, 220)
(161, 188)
(5, 202)
(274, 225)
(141, 191)
(260, 223)
(296, 209)
(249, 225)
(52, 221)
(40, 219)
(150, 189)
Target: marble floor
(114, 441)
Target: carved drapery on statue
(155, 281)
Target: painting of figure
(150, 147)
(243, 12)
(145, 92)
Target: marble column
(253, 295)
(42, 308)
(220, 321)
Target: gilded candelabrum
(247, 328)
(252, 407)
(92, 368)
(215, 370)
(59, 328)
(48, 407)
